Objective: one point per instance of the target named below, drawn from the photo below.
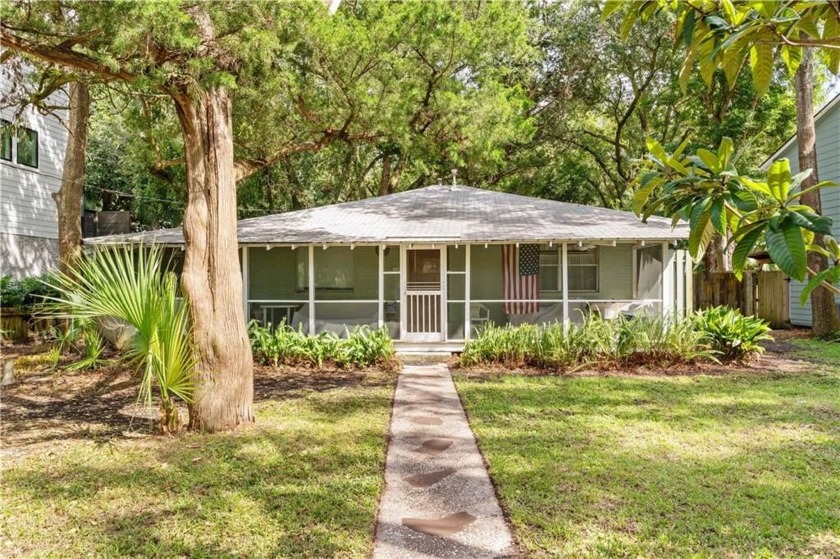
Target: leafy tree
(252, 84)
(597, 95)
(729, 34)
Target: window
(583, 270)
(27, 147)
(549, 268)
(6, 132)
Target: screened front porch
(433, 292)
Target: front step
(423, 358)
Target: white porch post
(689, 283)
(564, 257)
(311, 265)
(245, 281)
(381, 286)
(680, 277)
(667, 280)
(467, 294)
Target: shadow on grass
(303, 483)
(618, 467)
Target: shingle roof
(438, 213)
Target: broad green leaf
(705, 56)
(791, 56)
(787, 249)
(758, 186)
(718, 216)
(627, 25)
(610, 7)
(831, 29)
(688, 64)
(733, 61)
(701, 230)
(656, 149)
(778, 179)
(761, 64)
(812, 221)
(764, 7)
(743, 250)
(725, 151)
(648, 183)
(709, 159)
(831, 275)
(729, 10)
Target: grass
(816, 350)
(303, 482)
(693, 466)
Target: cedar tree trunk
(211, 279)
(825, 318)
(68, 198)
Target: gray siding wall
(26, 203)
(828, 164)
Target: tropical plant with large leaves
(707, 190)
(132, 284)
(729, 34)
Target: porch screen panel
(391, 297)
(346, 290)
(649, 272)
(272, 294)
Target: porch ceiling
(438, 214)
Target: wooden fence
(763, 294)
(19, 325)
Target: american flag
(521, 278)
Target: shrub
(284, 345)
(27, 292)
(597, 341)
(731, 334)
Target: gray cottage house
(434, 264)
(827, 122)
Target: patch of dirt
(50, 407)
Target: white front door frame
(405, 335)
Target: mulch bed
(50, 406)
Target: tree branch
(61, 55)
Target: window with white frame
(549, 268)
(583, 270)
(19, 142)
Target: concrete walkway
(438, 499)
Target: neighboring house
(827, 122)
(433, 264)
(31, 165)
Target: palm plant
(131, 284)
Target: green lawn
(304, 482)
(815, 350)
(702, 466)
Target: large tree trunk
(825, 318)
(211, 279)
(68, 198)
